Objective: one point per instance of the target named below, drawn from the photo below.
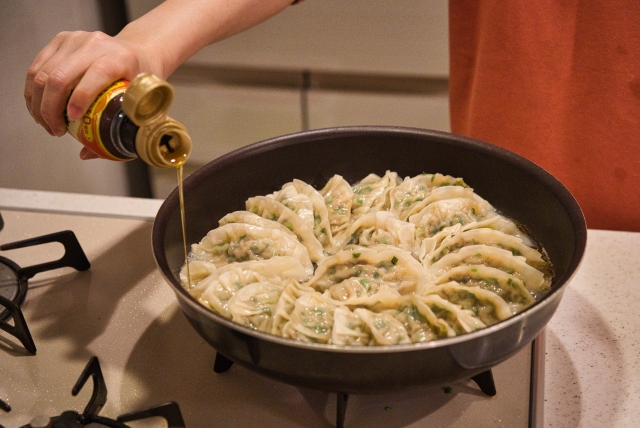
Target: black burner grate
(14, 280)
(170, 411)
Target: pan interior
(516, 187)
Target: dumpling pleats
(383, 261)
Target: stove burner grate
(14, 280)
(170, 411)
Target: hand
(73, 69)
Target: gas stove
(120, 312)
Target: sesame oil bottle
(129, 120)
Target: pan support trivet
(484, 381)
(169, 411)
(14, 280)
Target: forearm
(177, 29)
(69, 73)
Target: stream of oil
(184, 224)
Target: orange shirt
(557, 82)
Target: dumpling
(254, 305)
(309, 204)
(502, 224)
(349, 329)
(495, 222)
(311, 319)
(420, 321)
(383, 265)
(273, 210)
(415, 189)
(363, 292)
(247, 217)
(483, 236)
(510, 288)
(290, 294)
(221, 285)
(460, 320)
(504, 260)
(379, 227)
(384, 328)
(237, 242)
(296, 202)
(486, 305)
(446, 207)
(198, 270)
(338, 197)
(371, 193)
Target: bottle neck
(164, 143)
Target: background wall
(318, 64)
(29, 157)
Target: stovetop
(122, 312)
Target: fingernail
(60, 132)
(74, 112)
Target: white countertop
(76, 203)
(592, 373)
(593, 348)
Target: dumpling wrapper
(311, 319)
(504, 260)
(510, 288)
(338, 198)
(238, 242)
(446, 207)
(384, 328)
(460, 320)
(485, 236)
(372, 193)
(420, 321)
(349, 328)
(487, 306)
(271, 209)
(309, 204)
(216, 290)
(379, 227)
(413, 190)
(254, 305)
(381, 264)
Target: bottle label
(87, 129)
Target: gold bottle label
(87, 129)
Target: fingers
(51, 78)
(51, 94)
(70, 72)
(102, 72)
(36, 79)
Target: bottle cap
(164, 143)
(147, 99)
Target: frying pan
(518, 188)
